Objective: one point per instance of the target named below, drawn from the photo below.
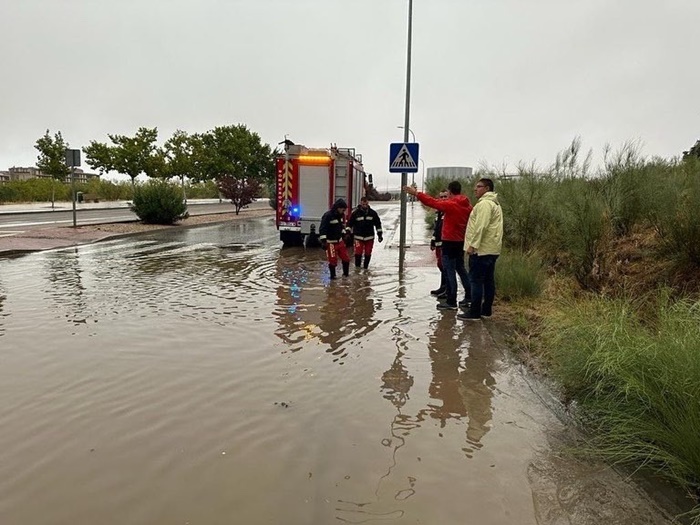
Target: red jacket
(456, 211)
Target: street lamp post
(413, 135)
(406, 126)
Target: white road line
(11, 233)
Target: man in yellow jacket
(482, 242)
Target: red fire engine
(309, 181)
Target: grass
(635, 372)
(519, 275)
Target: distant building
(18, 173)
(4, 176)
(449, 172)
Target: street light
(411, 131)
(406, 129)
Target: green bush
(519, 275)
(580, 218)
(674, 213)
(627, 187)
(159, 202)
(527, 210)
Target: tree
(232, 151)
(130, 156)
(179, 161)
(240, 192)
(692, 152)
(52, 159)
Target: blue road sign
(403, 157)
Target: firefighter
(331, 235)
(362, 223)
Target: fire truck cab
(309, 181)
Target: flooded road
(207, 377)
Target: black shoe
(437, 292)
(443, 295)
(467, 317)
(466, 303)
(446, 306)
(486, 316)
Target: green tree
(179, 161)
(130, 156)
(52, 159)
(232, 151)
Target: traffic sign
(403, 157)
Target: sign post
(72, 161)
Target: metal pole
(413, 175)
(72, 190)
(422, 180)
(404, 176)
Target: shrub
(158, 202)
(674, 214)
(625, 187)
(526, 208)
(519, 275)
(581, 225)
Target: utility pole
(407, 120)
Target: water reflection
(64, 286)
(463, 363)
(313, 311)
(462, 386)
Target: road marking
(11, 233)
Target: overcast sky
(495, 82)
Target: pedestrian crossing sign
(403, 157)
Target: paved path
(51, 237)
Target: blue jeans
(481, 275)
(453, 265)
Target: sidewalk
(17, 243)
(37, 207)
(49, 239)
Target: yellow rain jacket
(485, 226)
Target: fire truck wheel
(291, 239)
(311, 241)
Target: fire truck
(309, 181)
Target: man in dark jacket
(456, 209)
(436, 246)
(363, 221)
(331, 233)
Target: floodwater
(208, 377)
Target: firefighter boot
(346, 268)
(367, 259)
(358, 260)
(332, 269)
